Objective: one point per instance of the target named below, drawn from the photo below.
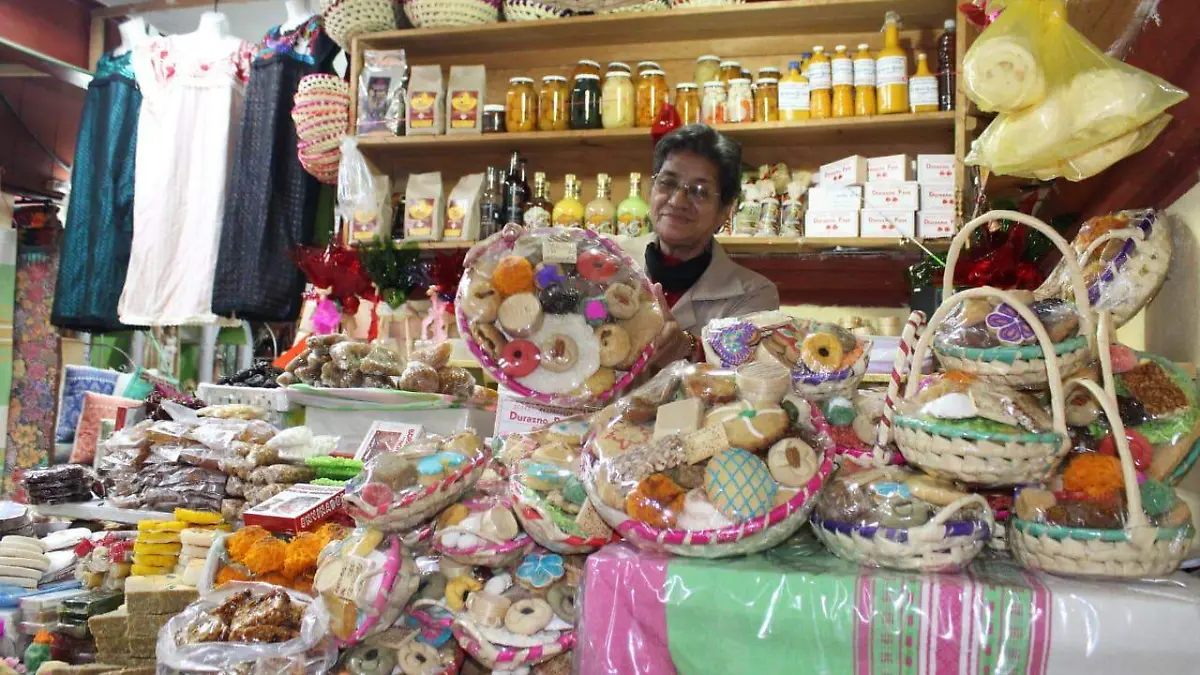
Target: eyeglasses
(698, 193)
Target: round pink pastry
(597, 265)
(520, 358)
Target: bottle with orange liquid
(864, 82)
(842, 70)
(819, 82)
(794, 99)
(891, 70)
(922, 87)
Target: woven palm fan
(1139, 550)
(1021, 366)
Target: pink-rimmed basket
(499, 657)
(751, 536)
(505, 241)
(490, 554)
(531, 513)
(418, 506)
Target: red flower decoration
(337, 268)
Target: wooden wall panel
(832, 279)
(57, 28)
(51, 110)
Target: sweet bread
(528, 616)
(621, 300)
(614, 344)
(520, 315)
(1002, 74)
(489, 338)
(747, 427)
(739, 485)
(642, 328)
(481, 302)
(597, 265)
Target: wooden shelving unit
(743, 245)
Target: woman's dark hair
(707, 142)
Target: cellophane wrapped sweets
(559, 315)
(983, 323)
(1067, 108)
(364, 581)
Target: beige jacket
(725, 289)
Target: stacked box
(935, 175)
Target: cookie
(935, 491)
(822, 353)
(642, 328)
(792, 462)
(750, 428)
(621, 300)
(489, 338)
(529, 616)
(656, 500)
(597, 265)
(31, 542)
(520, 315)
(481, 302)
(559, 299)
(560, 353)
(519, 358)
(601, 381)
(614, 344)
(31, 563)
(621, 438)
(739, 485)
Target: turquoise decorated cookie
(739, 485)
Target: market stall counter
(798, 609)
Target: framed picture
(387, 437)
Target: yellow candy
(158, 537)
(198, 517)
(161, 525)
(156, 549)
(154, 560)
(149, 570)
(457, 589)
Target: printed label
(418, 217)
(421, 111)
(864, 72)
(350, 581)
(891, 70)
(363, 226)
(843, 72)
(567, 220)
(819, 76)
(563, 252)
(456, 218)
(629, 225)
(601, 223)
(922, 91)
(464, 106)
(794, 96)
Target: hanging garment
(191, 106)
(272, 202)
(95, 245)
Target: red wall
(58, 28)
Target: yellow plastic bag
(1059, 95)
(1102, 156)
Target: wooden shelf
(767, 245)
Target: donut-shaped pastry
(482, 302)
(489, 338)
(513, 274)
(560, 299)
(792, 462)
(548, 274)
(749, 428)
(457, 589)
(560, 353)
(822, 353)
(528, 616)
(418, 658)
(520, 315)
(614, 344)
(621, 300)
(572, 326)
(597, 265)
(519, 358)
(561, 598)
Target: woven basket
(692, 4)
(531, 10)
(488, 555)
(941, 545)
(1020, 367)
(1134, 275)
(321, 113)
(1139, 550)
(422, 505)
(532, 513)
(652, 6)
(345, 19)
(751, 536)
(322, 83)
(508, 658)
(443, 13)
(843, 383)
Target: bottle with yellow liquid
(793, 95)
(819, 81)
(599, 213)
(864, 82)
(923, 87)
(891, 70)
(842, 70)
(805, 57)
(568, 212)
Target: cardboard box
(935, 224)
(387, 437)
(935, 169)
(298, 508)
(849, 171)
(891, 167)
(831, 223)
(515, 414)
(892, 195)
(835, 198)
(888, 223)
(938, 198)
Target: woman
(697, 177)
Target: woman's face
(686, 218)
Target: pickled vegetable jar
(730, 70)
(708, 67)
(585, 66)
(585, 102)
(617, 104)
(520, 105)
(712, 105)
(739, 104)
(687, 102)
(553, 104)
(651, 95)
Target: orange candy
(657, 501)
(513, 274)
(266, 555)
(240, 542)
(227, 574)
(1097, 476)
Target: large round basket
(532, 10)
(421, 505)
(751, 536)
(981, 458)
(446, 13)
(507, 658)
(1020, 367)
(941, 544)
(345, 19)
(1139, 550)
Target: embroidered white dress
(192, 106)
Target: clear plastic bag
(186, 643)
(956, 400)
(984, 323)
(363, 582)
(357, 195)
(381, 87)
(1060, 96)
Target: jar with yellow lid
(730, 70)
(739, 103)
(643, 66)
(520, 105)
(553, 104)
(708, 67)
(766, 100)
(617, 101)
(687, 102)
(585, 66)
(651, 94)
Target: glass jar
(493, 119)
(687, 102)
(739, 103)
(766, 100)
(585, 66)
(585, 102)
(617, 104)
(708, 67)
(770, 73)
(553, 101)
(644, 66)
(712, 104)
(651, 95)
(730, 70)
(520, 105)
(621, 66)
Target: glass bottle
(708, 67)
(922, 87)
(568, 212)
(538, 208)
(552, 104)
(730, 70)
(520, 105)
(585, 103)
(891, 70)
(842, 69)
(794, 99)
(516, 190)
(587, 66)
(616, 101)
(864, 82)
(651, 95)
(739, 103)
(491, 205)
(633, 212)
(598, 215)
(766, 100)
(712, 103)
(805, 57)
(819, 82)
(946, 63)
(687, 102)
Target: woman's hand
(671, 343)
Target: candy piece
(933, 490)
(1097, 476)
(621, 301)
(595, 312)
(1099, 515)
(453, 515)
(1123, 358)
(821, 353)
(513, 275)
(705, 442)
(498, 524)
(559, 353)
(614, 344)
(574, 492)
(1082, 410)
(840, 412)
(519, 358)
(1157, 498)
(540, 570)
(520, 315)
(1150, 384)
(548, 274)
(430, 470)
(597, 265)
(747, 427)
(457, 589)
(739, 485)
(679, 417)
(489, 338)
(1033, 504)
(1131, 411)
(792, 462)
(656, 500)
(559, 299)
(1139, 448)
